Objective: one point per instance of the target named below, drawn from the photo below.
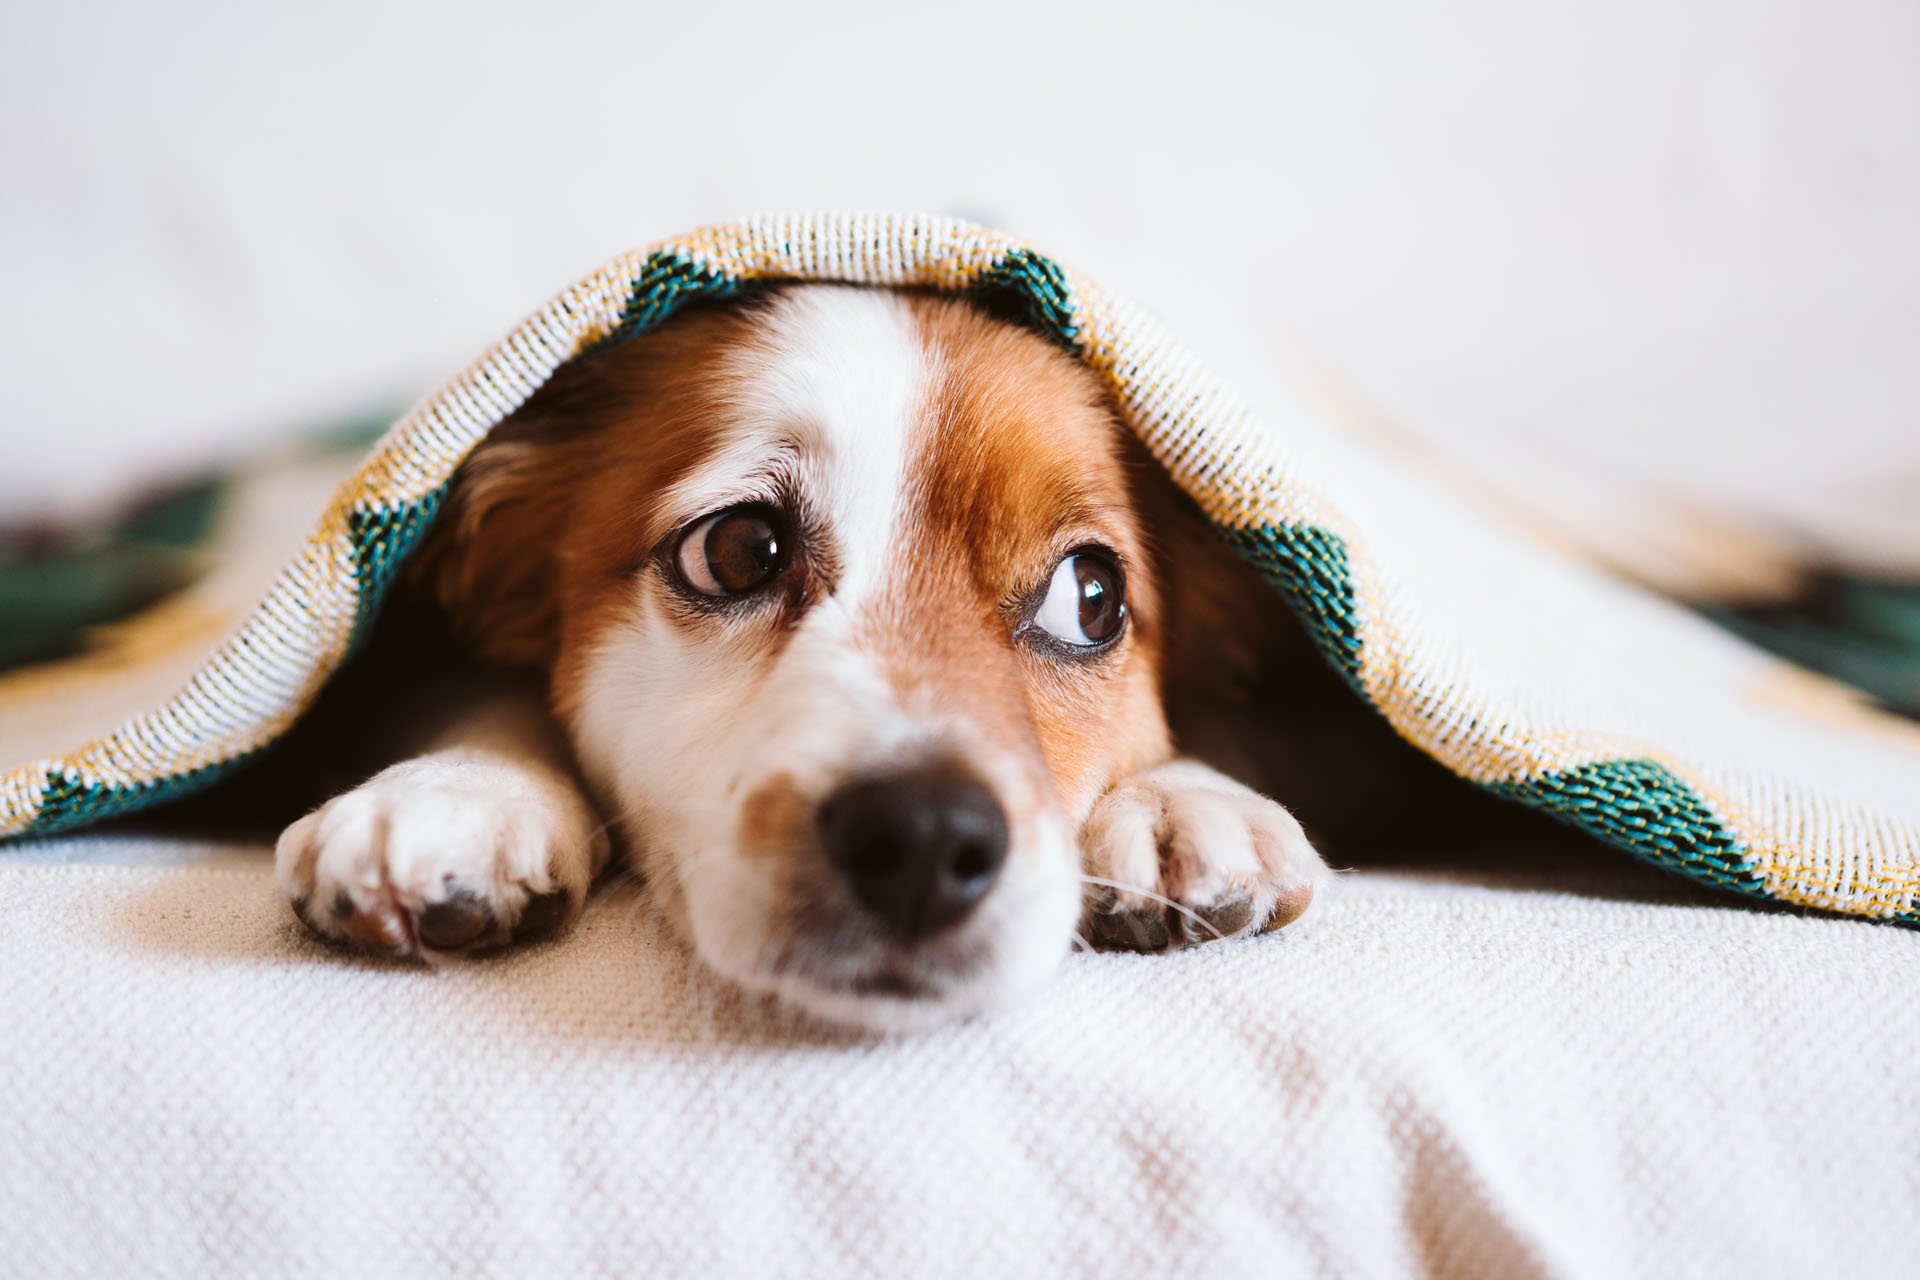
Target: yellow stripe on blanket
(1519, 669)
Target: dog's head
(850, 614)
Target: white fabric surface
(1589, 1077)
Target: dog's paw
(437, 856)
(1183, 854)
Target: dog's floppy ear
(493, 557)
(489, 560)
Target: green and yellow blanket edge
(265, 676)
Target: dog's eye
(1085, 602)
(733, 552)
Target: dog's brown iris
(733, 552)
(1100, 597)
(1085, 603)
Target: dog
(868, 634)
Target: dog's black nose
(919, 848)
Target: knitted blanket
(1520, 669)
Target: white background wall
(1650, 237)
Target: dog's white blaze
(680, 731)
(824, 400)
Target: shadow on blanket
(1367, 797)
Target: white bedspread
(1588, 1077)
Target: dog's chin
(891, 1003)
(851, 978)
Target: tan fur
(931, 470)
(562, 502)
(1021, 460)
(1024, 464)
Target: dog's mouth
(886, 898)
(848, 975)
(825, 951)
(889, 996)
(891, 983)
(857, 963)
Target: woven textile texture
(1518, 668)
(1491, 1082)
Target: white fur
(680, 732)
(822, 401)
(492, 812)
(677, 726)
(1186, 837)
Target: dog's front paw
(439, 856)
(1183, 854)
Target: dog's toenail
(1150, 931)
(1289, 906)
(1131, 931)
(342, 905)
(1223, 919)
(378, 929)
(455, 921)
(542, 915)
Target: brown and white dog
(861, 618)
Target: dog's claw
(1291, 904)
(1223, 919)
(543, 913)
(1129, 931)
(455, 922)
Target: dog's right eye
(1085, 605)
(733, 552)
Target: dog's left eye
(732, 552)
(1085, 603)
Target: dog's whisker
(1145, 892)
(850, 827)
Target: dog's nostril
(918, 848)
(974, 861)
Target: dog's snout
(918, 848)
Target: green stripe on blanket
(1524, 672)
